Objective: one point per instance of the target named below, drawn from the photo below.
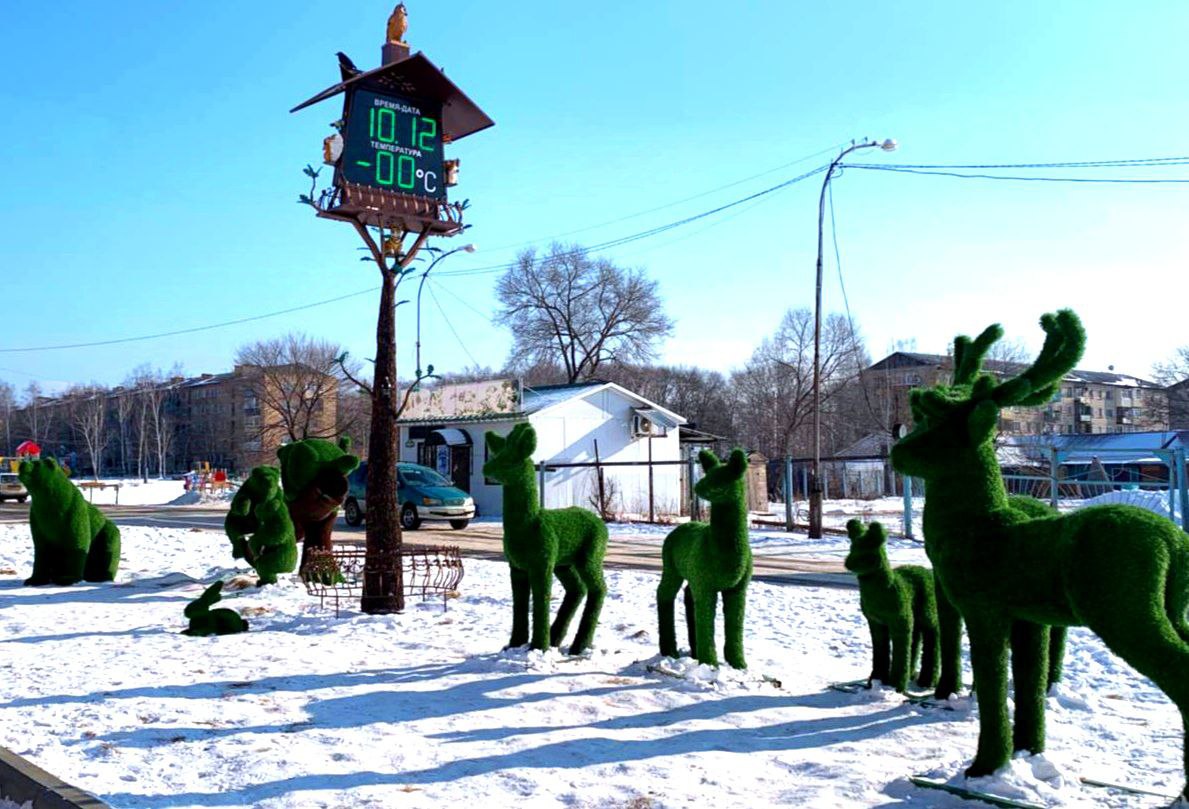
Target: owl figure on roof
(398, 24)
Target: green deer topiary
(538, 543)
(900, 608)
(714, 558)
(950, 620)
(205, 621)
(1119, 570)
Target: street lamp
(468, 248)
(815, 484)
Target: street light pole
(815, 482)
(468, 248)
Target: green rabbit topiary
(1119, 570)
(900, 609)
(714, 558)
(538, 543)
(205, 621)
(72, 540)
(259, 510)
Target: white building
(444, 428)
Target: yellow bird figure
(398, 24)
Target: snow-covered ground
(153, 492)
(423, 709)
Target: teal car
(422, 494)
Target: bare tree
(580, 312)
(86, 407)
(774, 391)
(701, 396)
(295, 380)
(38, 416)
(8, 400)
(1173, 370)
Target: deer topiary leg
(520, 592)
(901, 654)
(949, 630)
(1029, 665)
(734, 603)
(596, 592)
(1056, 654)
(705, 605)
(540, 582)
(571, 582)
(929, 648)
(881, 653)
(666, 595)
(988, 658)
(691, 621)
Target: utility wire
(1142, 161)
(191, 330)
(450, 325)
(1017, 177)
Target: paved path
(483, 540)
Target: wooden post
(599, 478)
(789, 524)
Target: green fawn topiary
(900, 609)
(714, 558)
(1119, 570)
(205, 621)
(538, 543)
(72, 540)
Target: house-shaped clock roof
(418, 77)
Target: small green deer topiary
(714, 558)
(1119, 570)
(900, 608)
(538, 543)
(205, 621)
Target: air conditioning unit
(642, 426)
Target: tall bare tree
(86, 407)
(8, 401)
(296, 380)
(38, 416)
(774, 391)
(1173, 370)
(578, 311)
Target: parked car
(422, 494)
(11, 488)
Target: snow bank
(132, 491)
(423, 710)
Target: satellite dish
(899, 431)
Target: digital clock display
(393, 143)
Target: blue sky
(153, 177)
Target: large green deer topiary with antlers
(539, 543)
(900, 608)
(714, 558)
(1119, 570)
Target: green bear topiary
(241, 521)
(539, 543)
(205, 621)
(1120, 570)
(951, 621)
(72, 540)
(714, 558)
(900, 608)
(314, 476)
(259, 509)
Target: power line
(450, 325)
(191, 330)
(1141, 161)
(1017, 177)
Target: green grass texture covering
(259, 526)
(713, 558)
(1121, 571)
(540, 543)
(205, 621)
(72, 540)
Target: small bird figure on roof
(347, 67)
(398, 24)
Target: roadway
(481, 540)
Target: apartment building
(1087, 401)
